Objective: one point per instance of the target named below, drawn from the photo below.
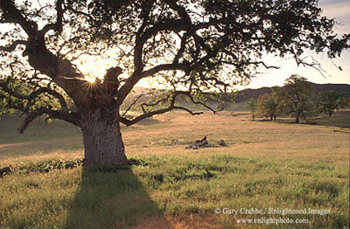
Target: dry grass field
(267, 167)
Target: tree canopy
(192, 47)
(271, 104)
(252, 106)
(327, 102)
(298, 98)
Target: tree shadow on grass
(111, 199)
(339, 119)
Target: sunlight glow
(90, 79)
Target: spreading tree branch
(132, 104)
(13, 46)
(71, 117)
(172, 106)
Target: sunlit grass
(266, 165)
(83, 199)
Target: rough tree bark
(212, 38)
(102, 140)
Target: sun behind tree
(197, 48)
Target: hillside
(240, 98)
(254, 93)
(264, 165)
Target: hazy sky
(338, 9)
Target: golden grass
(265, 164)
(258, 139)
(245, 138)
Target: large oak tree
(193, 47)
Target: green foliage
(198, 49)
(170, 42)
(252, 106)
(269, 105)
(49, 165)
(60, 164)
(298, 94)
(328, 102)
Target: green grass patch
(68, 196)
(266, 165)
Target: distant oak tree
(328, 101)
(252, 106)
(190, 46)
(271, 104)
(298, 95)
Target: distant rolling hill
(254, 93)
(240, 98)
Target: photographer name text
(272, 211)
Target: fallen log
(198, 143)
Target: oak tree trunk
(102, 141)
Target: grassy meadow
(267, 167)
